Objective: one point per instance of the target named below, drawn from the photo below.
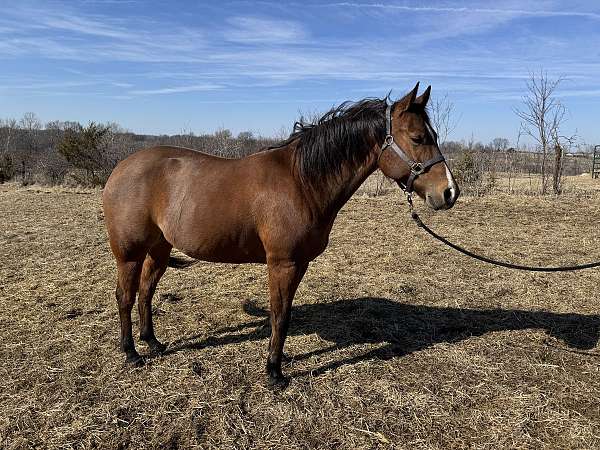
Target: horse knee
(119, 294)
(125, 302)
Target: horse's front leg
(284, 277)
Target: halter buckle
(389, 140)
(417, 168)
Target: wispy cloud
(579, 93)
(48, 85)
(253, 30)
(465, 10)
(84, 25)
(177, 89)
(64, 37)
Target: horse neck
(329, 194)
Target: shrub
(474, 172)
(86, 150)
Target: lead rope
(420, 224)
(485, 259)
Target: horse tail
(178, 262)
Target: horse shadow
(401, 328)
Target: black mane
(343, 134)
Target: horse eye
(417, 139)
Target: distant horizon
(159, 68)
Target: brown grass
(396, 342)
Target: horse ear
(424, 97)
(405, 102)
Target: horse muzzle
(442, 200)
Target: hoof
(134, 360)
(278, 383)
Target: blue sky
(163, 66)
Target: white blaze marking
(451, 183)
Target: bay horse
(276, 206)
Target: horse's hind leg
(154, 267)
(127, 286)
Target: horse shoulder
(289, 230)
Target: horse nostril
(449, 196)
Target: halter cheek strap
(416, 168)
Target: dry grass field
(395, 341)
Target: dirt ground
(395, 341)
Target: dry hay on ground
(395, 341)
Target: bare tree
(185, 138)
(500, 144)
(118, 142)
(542, 115)
(225, 144)
(27, 154)
(30, 122)
(282, 134)
(443, 117)
(9, 127)
(560, 144)
(8, 131)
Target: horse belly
(219, 242)
(226, 251)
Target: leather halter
(416, 168)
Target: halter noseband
(416, 168)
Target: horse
(274, 207)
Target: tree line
(63, 152)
